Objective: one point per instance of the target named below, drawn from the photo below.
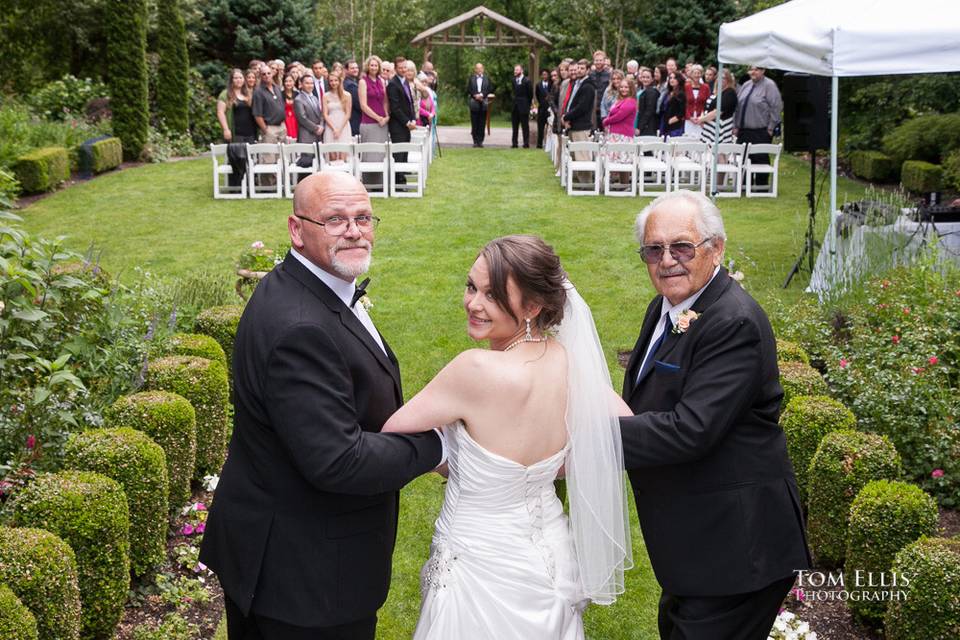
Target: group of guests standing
(274, 102)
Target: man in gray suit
(309, 113)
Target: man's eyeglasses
(338, 225)
(679, 251)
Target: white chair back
(222, 170)
(264, 160)
(371, 158)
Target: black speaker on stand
(806, 127)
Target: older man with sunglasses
(714, 487)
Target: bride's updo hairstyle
(536, 270)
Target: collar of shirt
(343, 289)
(676, 310)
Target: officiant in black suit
(403, 98)
(522, 100)
(714, 487)
(304, 519)
(479, 90)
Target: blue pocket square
(666, 367)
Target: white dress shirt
(479, 84)
(674, 311)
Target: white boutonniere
(366, 302)
(684, 320)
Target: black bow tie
(360, 292)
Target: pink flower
(936, 473)
(5, 487)
(896, 339)
(257, 245)
(917, 370)
(882, 305)
(933, 360)
(200, 567)
(844, 363)
(31, 442)
(906, 311)
(200, 528)
(884, 284)
(187, 530)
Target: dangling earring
(529, 336)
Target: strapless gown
(502, 563)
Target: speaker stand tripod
(810, 244)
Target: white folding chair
(688, 164)
(419, 137)
(729, 163)
(620, 157)
(409, 167)
(295, 156)
(264, 160)
(646, 139)
(364, 165)
(562, 157)
(592, 166)
(328, 150)
(656, 165)
(772, 169)
(221, 172)
(426, 134)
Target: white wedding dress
(502, 563)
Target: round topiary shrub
(16, 621)
(204, 383)
(930, 609)
(799, 379)
(42, 570)
(791, 352)
(805, 421)
(89, 512)
(137, 463)
(885, 517)
(221, 324)
(194, 344)
(844, 462)
(168, 418)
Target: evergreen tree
(126, 26)
(173, 67)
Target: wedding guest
(661, 80)
(619, 122)
(611, 93)
(269, 113)
(633, 68)
(697, 93)
(522, 101)
(310, 122)
(401, 94)
(234, 110)
(427, 109)
(373, 103)
(647, 98)
(388, 71)
(578, 118)
(320, 77)
(289, 94)
(671, 67)
(758, 114)
(252, 78)
(710, 76)
(351, 86)
(600, 77)
(728, 105)
(278, 70)
(543, 91)
(676, 109)
(336, 110)
(479, 89)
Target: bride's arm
(618, 406)
(444, 399)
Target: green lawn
(163, 218)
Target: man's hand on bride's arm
(444, 400)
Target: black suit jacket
(543, 95)
(304, 520)
(522, 95)
(580, 109)
(486, 89)
(714, 487)
(647, 121)
(350, 86)
(400, 110)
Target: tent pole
(718, 83)
(834, 101)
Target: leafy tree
(126, 27)
(683, 29)
(173, 67)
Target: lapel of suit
(349, 320)
(640, 348)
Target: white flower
(257, 245)
(366, 302)
(210, 483)
(2, 306)
(737, 275)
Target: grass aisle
(163, 218)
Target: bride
(505, 561)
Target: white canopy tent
(843, 38)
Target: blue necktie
(667, 328)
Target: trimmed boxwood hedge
(871, 165)
(204, 383)
(805, 421)
(125, 27)
(931, 608)
(221, 324)
(137, 463)
(16, 621)
(42, 169)
(169, 419)
(799, 379)
(885, 517)
(844, 462)
(920, 176)
(194, 344)
(791, 352)
(42, 570)
(107, 154)
(89, 512)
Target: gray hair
(709, 220)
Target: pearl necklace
(522, 340)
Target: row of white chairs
(655, 166)
(286, 164)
